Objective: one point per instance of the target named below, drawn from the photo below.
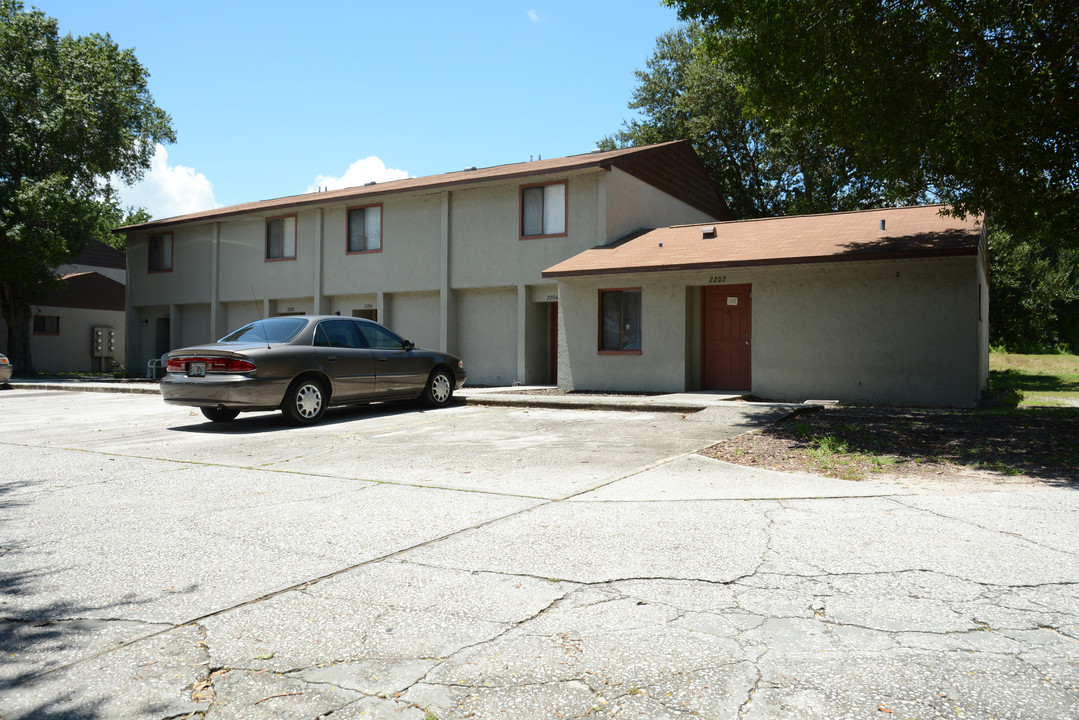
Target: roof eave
(768, 262)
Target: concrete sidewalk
(537, 396)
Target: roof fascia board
(819, 259)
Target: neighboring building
(79, 327)
(451, 261)
(880, 306)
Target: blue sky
(271, 98)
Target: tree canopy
(687, 91)
(974, 99)
(75, 112)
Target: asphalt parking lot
(505, 562)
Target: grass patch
(1027, 381)
(1029, 427)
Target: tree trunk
(17, 315)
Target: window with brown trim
(544, 209)
(365, 229)
(46, 324)
(160, 253)
(281, 238)
(620, 320)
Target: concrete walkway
(515, 396)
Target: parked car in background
(304, 364)
(6, 368)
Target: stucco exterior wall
(414, 316)
(408, 260)
(189, 280)
(238, 314)
(901, 332)
(347, 305)
(889, 332)
(487, 249)
(632, 205)
(487, 334)
(660, 366)
(983, 319)
(194, 324)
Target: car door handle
(330, 358)
(382, 359)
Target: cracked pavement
(483, 562)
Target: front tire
(216, 414)
(305, 402)
(439, 390)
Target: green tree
(74, 113)
(687, 91)
(975, 99)
(1034, 295)
(112, 215)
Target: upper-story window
(365, 229)
(281, 238)
(543, 209)
(161, 253)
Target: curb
(75, 386)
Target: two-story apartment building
(618, 270)
(450, 261)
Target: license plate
(196, 369)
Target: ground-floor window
(620, 320)
(46, 325)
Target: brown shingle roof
(673, 167)
(909, 232)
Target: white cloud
(169, 190)
(533, 16)
(361, 172)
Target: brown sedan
(302, 365)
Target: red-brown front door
(727, 337)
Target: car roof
(335, 317)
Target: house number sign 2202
(717, 279)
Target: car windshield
(271, 330)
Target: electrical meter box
(102, 342)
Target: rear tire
(439, 390)
(216, 414)
(305, 401)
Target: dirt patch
(901, 445)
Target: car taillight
(213, 364)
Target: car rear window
(270, 330)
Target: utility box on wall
(102, 347)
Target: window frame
(599, 330)
(521, 210)
(296, 239)
(150, 253)
(348, 227)
(46, 331)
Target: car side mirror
(409, 345)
